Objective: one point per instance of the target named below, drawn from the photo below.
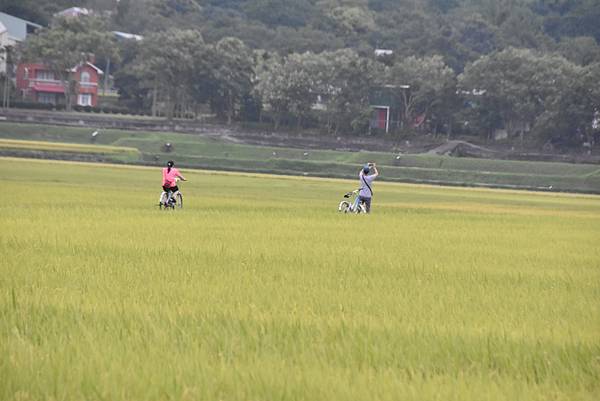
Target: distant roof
(73, 12)
(18, 28)
(98, 70)
(125, 35)
(383, 52)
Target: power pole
(106, 74)
(7, 79)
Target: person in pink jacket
(170, 175)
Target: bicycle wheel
(169, 201)
(162, 201)
(179, 198)
(344, 206)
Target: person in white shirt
(366, 176)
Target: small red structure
(38, 83)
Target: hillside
(460, 30)
(520, 71)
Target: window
(48, 98)
(44, 75)
(84, 99)
(85, 77)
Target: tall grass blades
(260, 290)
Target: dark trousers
(366, 201)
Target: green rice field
(216, 153)
(258, 289)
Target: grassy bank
(258, 289)
(215, 153)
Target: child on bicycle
(169, 182)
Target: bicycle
(169, 200)
(354, 205)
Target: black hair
(170, 164)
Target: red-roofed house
(37, 83)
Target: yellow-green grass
(16, 147)
(64, 147)
(259, 290)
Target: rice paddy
(258, 289)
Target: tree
(293, 13)
(581, 50)
(304, 82)
(340, 79)
(471, 37)
(167, 65)
(165, 71)
(232, 74)
(522, 28)
(429, 81)
(444, 5)
(132, 92)
(568, 117)
(352, 20)
(67, 43)
(412, 32)
(170, 8)
(346, 81)
(519, 84)
(271, 85)
(570, 18)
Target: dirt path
(463, 148)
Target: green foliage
(581, 50)
(293, 13)
(569, 114)
(430, 81)
(167, 64)
(570, 18)
(521, 85)
(292, 86)
(340, 80)
(409, 27)
(347, 80)
(231, 77)
(472, 37)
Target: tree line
(460, 31)
(530, 68)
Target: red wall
(94, 79)
(23, 82)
